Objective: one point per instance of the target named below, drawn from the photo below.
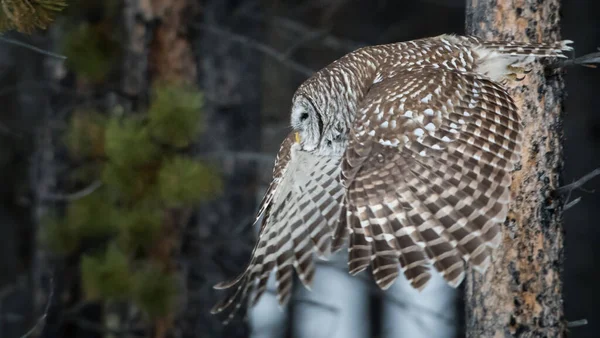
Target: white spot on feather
(389, 237)
(392, 143)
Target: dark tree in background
(220, 238)
(247, 57)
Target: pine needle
(27, 15)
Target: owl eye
(303, 116)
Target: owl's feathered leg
(517, 73)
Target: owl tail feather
(552, 49)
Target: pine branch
(27, 15)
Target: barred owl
(405, 151)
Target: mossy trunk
(520, 295)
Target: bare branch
(572, 203)
(589, 60)
(311, 36)
(76, 195)
(326, 40)
(577, 184)
(42, 320)
(31, 47)
(303, 300)
(256, 45)
(577, 323)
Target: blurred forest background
(131, 171)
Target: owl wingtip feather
(421, 281)
(226, 284)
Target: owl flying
(405, 151)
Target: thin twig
(589, 60)
(577, 323)
(302, 300)
(326, 40)
(577, 184)
(256, 45)
(42, 319)
(571, 204)
(311, 36)
(76, 195)
(32, 47)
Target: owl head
(315, 131)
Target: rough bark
(520, 295)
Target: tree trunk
(521, 293)
(219, 242)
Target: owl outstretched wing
(427, 170)
(299, 212)
(424, 180)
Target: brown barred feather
(298, 220)
(424, 178)
(454, 208)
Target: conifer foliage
(27, 15)
(119, 229)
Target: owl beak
(297, 137)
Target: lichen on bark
(521, 293)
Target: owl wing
(300, 209)
(427, 172)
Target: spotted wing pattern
(427, 172)
(299, 212)
(424, 180)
